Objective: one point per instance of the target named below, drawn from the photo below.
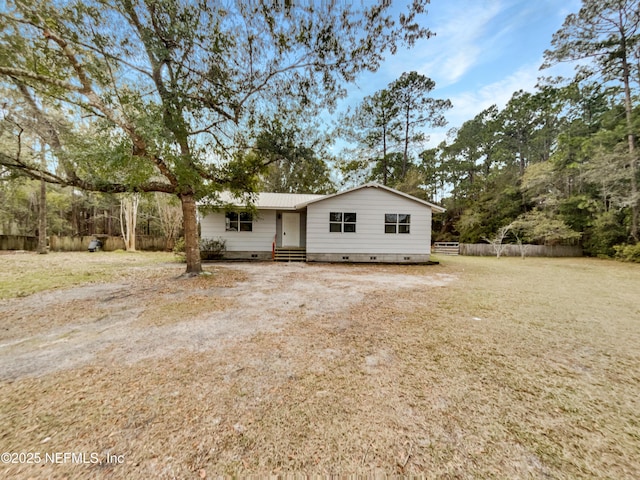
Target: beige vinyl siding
(258, 240)
(370, 205)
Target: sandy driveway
(155, 316)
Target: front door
(290, 229)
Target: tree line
(129, 98)
(559, 164)
(73, 212)
(556, 165)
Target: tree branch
(51, 137)
(20, 73)
(37, 173)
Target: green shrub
(212, 248)
(607, 231)
(628, 253)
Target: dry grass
(519, 369)
(186, 308)
(148, 280)
(28, 273)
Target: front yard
(474, 368)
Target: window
(342, 222)
(238, 222)
(397, 223)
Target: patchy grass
(187, 308)
(195, 297)
(28, 273)
(518, 369)
(148, 282)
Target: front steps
(446, 248)
(290, 254)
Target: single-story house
(369, 223)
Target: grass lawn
(23, 274)
(512, 369)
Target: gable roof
(434, 207)
(295, 201)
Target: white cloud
(436, 138)
(456, 65)
(483, 52)
(468, 34)
(467, 105)
(461, 40)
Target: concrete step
(283, 254)
(446, 248)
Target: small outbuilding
(369, 223)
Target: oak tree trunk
(191, 243)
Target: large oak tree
(159, 95)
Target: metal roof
(295, 201)
(272, 201)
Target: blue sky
(483, 52)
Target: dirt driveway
(157, 315)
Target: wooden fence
(484, 249)
(18, 242)
(109, 244)
(75, 244)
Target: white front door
(290, 229)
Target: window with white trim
(238, 222)
(397, 223)
(342, 222)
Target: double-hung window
(342, 222)
(397, 223)
(239, 222)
